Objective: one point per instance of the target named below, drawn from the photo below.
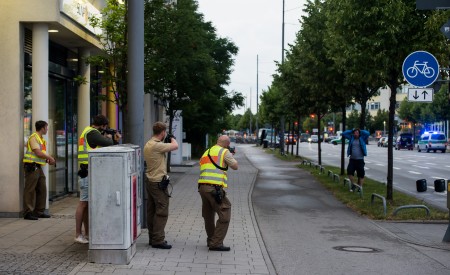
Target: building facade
(44, 43)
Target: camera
(168, 138)
(110, 131)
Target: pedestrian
(356, 150)
(35, 191)
(213, 179)
(91, 138)
(157, 179)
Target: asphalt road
(307, 231)
(409, 166)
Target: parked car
(432, 141)
(338, 140)
(404, 141)
(273, 141)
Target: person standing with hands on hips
(91, 138)
(356, 151)
(157, 179)
(213, 179)
(35, 192)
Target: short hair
(159, 127)
(100, 120)
(356, 129)
(40, 124)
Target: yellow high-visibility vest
(209, 173)
(30, 156)
(83, 146)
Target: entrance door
(62, 136)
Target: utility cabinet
(113, 184)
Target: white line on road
(410, 160)
(396, 168)
(439, 178)
(421, 167)
(414, 172)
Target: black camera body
(110, 131)
(168, 138)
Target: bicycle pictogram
(421, 68)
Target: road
(307, 231)
(409, 166)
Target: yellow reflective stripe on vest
(83, 146)
(209, 173)
(30, 156)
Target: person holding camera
(157, 180)
(35, 191)
(213, 179)
(92, 137)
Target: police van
(432, 141)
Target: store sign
(81, 11)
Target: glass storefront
(62, 132)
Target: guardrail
(383, 199)
(411, 206)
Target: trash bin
(421, 185)
(265, 143)
(439, 185)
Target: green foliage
(187, 66)
(112, 60)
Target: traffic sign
(432, 4)
(445, 29)
(420, 94)
(420, 69)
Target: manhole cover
(360, 249)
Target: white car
(313, 139)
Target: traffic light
(312, 116)
(296, 123)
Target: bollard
(421, 185)
(439, 185)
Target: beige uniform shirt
(229, 159)
(155, 157)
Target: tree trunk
(344, 116)
(319, 143)
(390, 175)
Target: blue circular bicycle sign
(420, 69)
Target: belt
(34, 164)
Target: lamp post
(384, 128)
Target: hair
(356, 129)
(159, 127)
(40, 124)
(100, 120)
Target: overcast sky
(255, 26)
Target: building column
(84, 99)
(40, 82)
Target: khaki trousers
(34, 193)
(216, 233)
(157, 212)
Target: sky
(255, 26)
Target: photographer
(158, 199)
(95, 136)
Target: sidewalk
(46, 246)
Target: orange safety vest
(209, 173)
(30, 156)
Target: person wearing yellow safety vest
(157, 180)
(213, 178)
(91, 138)
(35, 192)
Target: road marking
(422, 167)
(414, 172)
(380, 164)
(410, 160)
(396, 168)
(429, 163)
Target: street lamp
(384, 128)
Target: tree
(186, 67)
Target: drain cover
(360, 249)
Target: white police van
(432, 141)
